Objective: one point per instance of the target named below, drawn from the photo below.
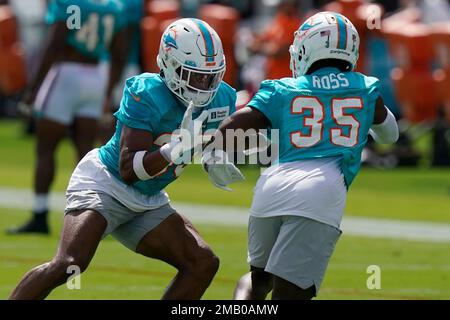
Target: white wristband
(138, 166)
(386, 132)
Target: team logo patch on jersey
(218, 114)
(136, 98)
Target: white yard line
(235, 216)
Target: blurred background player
(274, 42)
(133, 66)
(119, 188)
(265, 54)
(72, 88)
(324, 114)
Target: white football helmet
(192, 60)
(326, 35)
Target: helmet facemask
(198, 86)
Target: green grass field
(410, 270)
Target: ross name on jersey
(330, 81)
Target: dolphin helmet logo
(170, 40)
(309, 25)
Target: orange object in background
(12, 59)
(225, 21)
(162, 9)
(440, 37)
(441, 42)
(152, 31)
(412, 46)
(150, 44)
(415, 86)
(160, 13)
(12, 70)
(416, 91)
(8, 27)
(280, 34)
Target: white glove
(386, 132)
(179, 150)
(221, 172)
(25, 109)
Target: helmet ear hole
(301, 53)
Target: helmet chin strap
(185, 95)
(199, 98)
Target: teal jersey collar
(326, 70)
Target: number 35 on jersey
(313, 112)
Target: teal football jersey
(135, 14)
(325, 114)
(148, 104)
(92, 24)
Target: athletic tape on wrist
(138, 166)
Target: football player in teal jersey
(72, 87)
(323, 115)
(133, 66)
(119, 188)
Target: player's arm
(120, 48)
(245, 119)
(215, 161)
(136, 162)
(52, 48)
(384, 128)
